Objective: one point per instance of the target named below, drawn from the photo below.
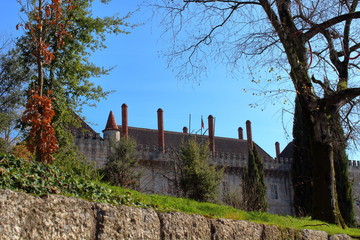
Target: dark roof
(79, 127)
(145, 136)
(288, 151)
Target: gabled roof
(78, 126)
(173, 140)
(288, 151)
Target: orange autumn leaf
(42, 138)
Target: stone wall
(158, 173)
(354, 176)
(55, 217)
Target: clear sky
(142, 80)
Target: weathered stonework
(157, 161)
(157, 173)
(176, 225)
(57, 217)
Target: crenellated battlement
(93, 147)
(157, 152)
(225, 159)
(354, 164)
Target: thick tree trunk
(325, 201)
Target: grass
(168, 203)
(38, 179)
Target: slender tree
(301, 171)
(39, 109)
(318, 39)
(70, 42)
(343, 185)
(253, 183)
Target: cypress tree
(343, 185)
(253, 183)
(301, 171)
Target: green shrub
(198, 179)
(69, 160)
(121, 166)
(38, 178)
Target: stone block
(313, 235)
(230, 229)
(122, 222)
(24, 216)
(176, 225)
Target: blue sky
(142, 80)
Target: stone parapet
(224, 159)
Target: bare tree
(318, 39)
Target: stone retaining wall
(54, 217)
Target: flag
(202, 123)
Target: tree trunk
(301, 171)
(325, 201)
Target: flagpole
(189, 123)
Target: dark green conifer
(343, 185)
(302, 168)
(253, 183)
(301, 171)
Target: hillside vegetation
(39, 179)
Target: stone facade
(156, 155)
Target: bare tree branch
(318, 28)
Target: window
(274, 191)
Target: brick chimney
(277, 149)
(249, 134)
(161, 136)
(241, 133)
(185, 130)
(124, 116)
(211, 134)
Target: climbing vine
(38, 114)
(44, 19)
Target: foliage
(253, 183)
(343, 184)
(318, 40)
(71, 161)
(38, 114)
(234, 199)
(169, 203)
(39, 111)
(19, 150)
(71, 41)
(13, 78)
(4, 148)
(302, 168)
(198, 179)
(39, 178)
(121, 165)
(301, 171)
